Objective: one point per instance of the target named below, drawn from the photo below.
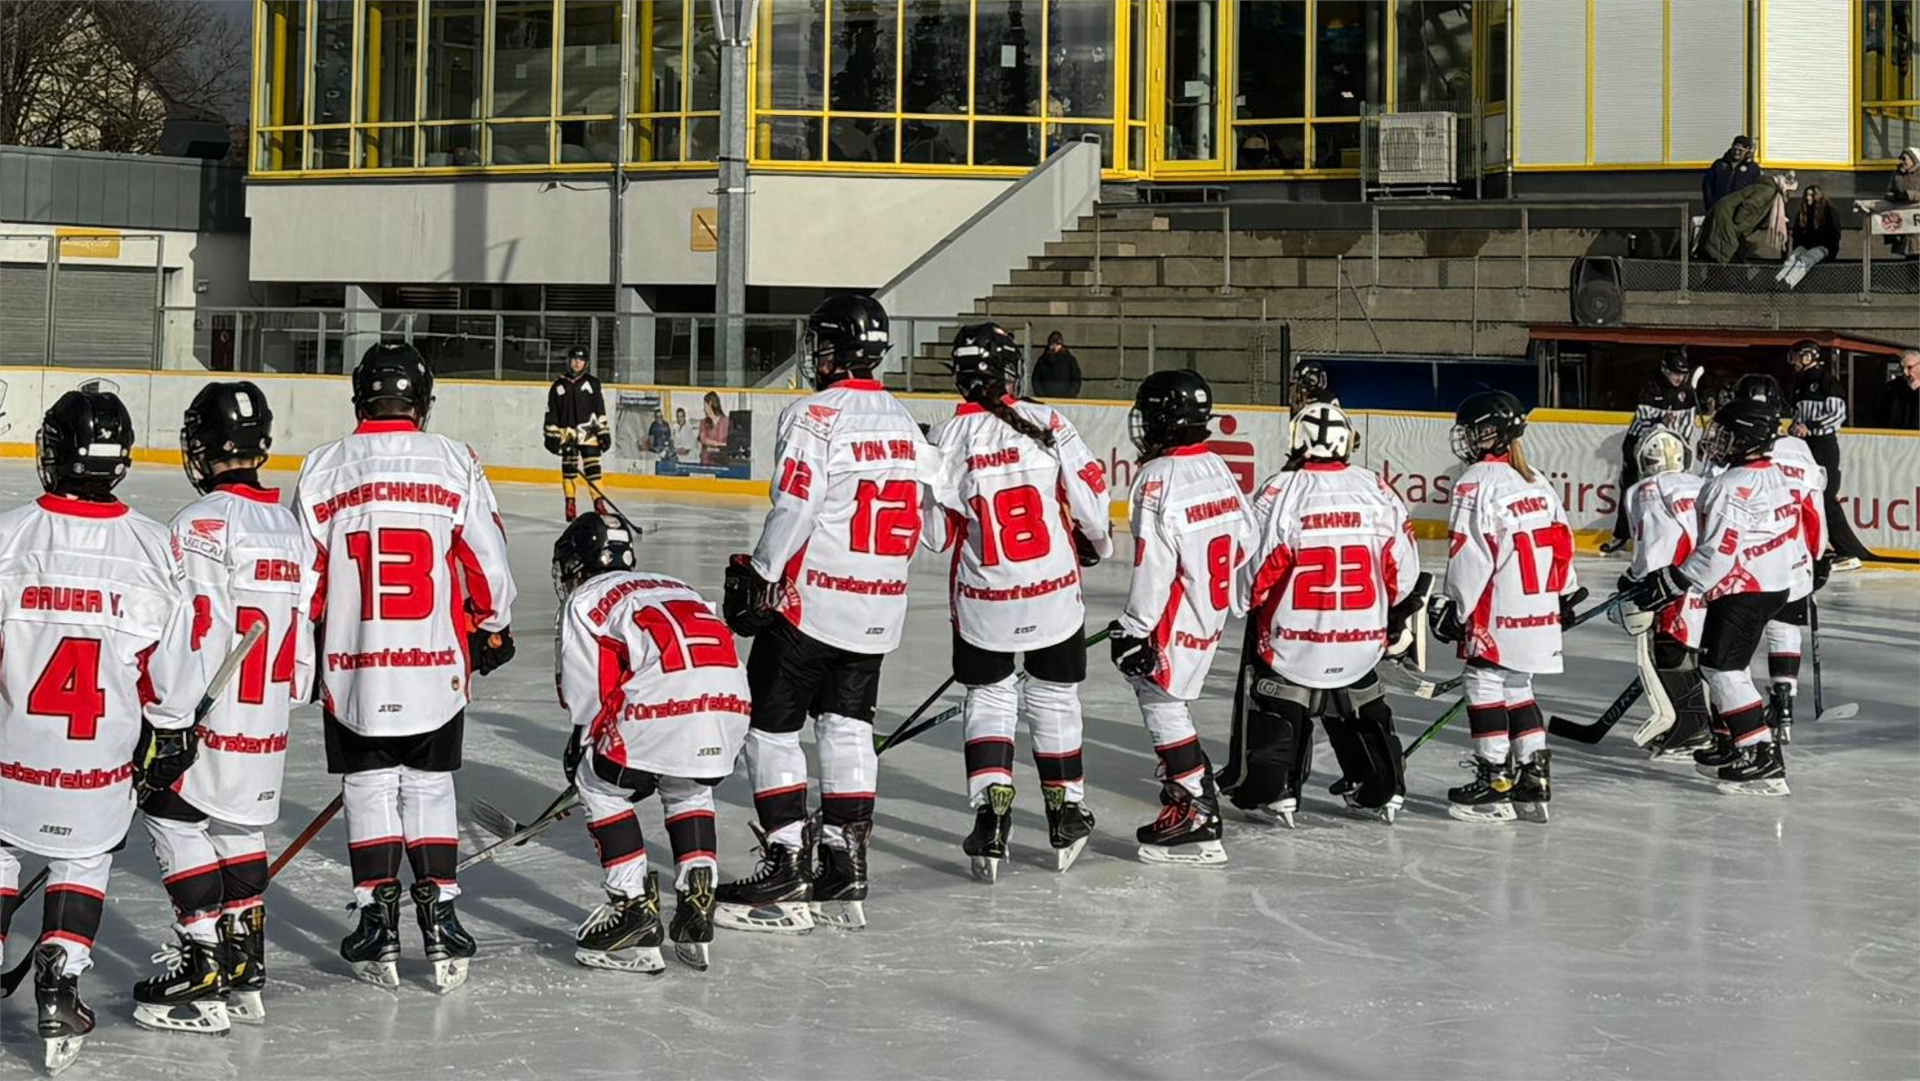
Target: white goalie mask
(1662, 451)
(1320, 432)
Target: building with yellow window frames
(402, 144)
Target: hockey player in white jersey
(1332, 585)
(248, 563)
(97, 688)
(414, 597)
(1808, 478)
(1749, 559)
(659, 703)
(1191, 531)
(1510, 587)
(825, 592)
(1662, 511)
(1026, 507)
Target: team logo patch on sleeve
(205, 536)
(818, 419)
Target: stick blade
(492, 819)
(1589, 734)
(1842, 712)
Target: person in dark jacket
(1734, 170)
(1900, 402)
(1057, 373)
(577, 428)
(1816, 237)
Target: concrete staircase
(1156, 299)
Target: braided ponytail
(1012, 418)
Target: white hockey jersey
(95, 620)
(1664, 510)
(1333, 550)
(1011, 505)
(1749, 534)
(412, 555)
(248, 562)
(1510, 560)
(645, 663)
(1808, 479)
(850, 483)
(1191, 534)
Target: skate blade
(644, 959)
(449, 974)
(1063, 857)
(1269, 814)
(782, 918)
(246, 1008)
(987, 868)
(209, 1018)
(1711, 773)
(694, 955)
(1783, 735)
(1530, 812)
(1197, 853)
(378, 973)
(1490, 812)
(846, 915)
(61, 1053)
(1770, 786)
(1386, 813)
(1652, 730)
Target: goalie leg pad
(1266, 759)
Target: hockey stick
(501, 824)
(1433, 729)
(222, 676)
(1597, 731)
(557, 810)
(307, 835)
(905, 733)
(1813, 632)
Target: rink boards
(1579, 451)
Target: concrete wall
(826, 231)
(220, 259)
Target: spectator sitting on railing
(1904, 189)
(1816, 237)
(1739, 214)
(1731, 172)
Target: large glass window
(1889, 82)
(934, 58)
(280, 91)
(590, 59)
(389, 70)
(1433, 45)
(522, 58)
(1304, 69)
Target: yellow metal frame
(1906, 107)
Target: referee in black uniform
(1818, 413)
(1666, 401)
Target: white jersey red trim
(1010, 508)
(1664, 512)
(1749, 534)
(1509, 561)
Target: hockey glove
(1133, 656)
(553, 440)
(749, 602)
(1443, 620)
(1084, 550)
(1568, 602)
(1401, 631)
(1659, 589)
(161, 758)
(490, 649)
(1822, 570)
(576, 750)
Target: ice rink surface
(1655, 928)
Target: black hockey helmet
(847, 334)
(85, 445)
(1760, 387)
(393, 371)
(1742, 429)
(593, 545)
(579, 353)
(1171, 409)
(226, 422)
(1311, 376)
(986, 361)
(1674, 361)
(1487, 422)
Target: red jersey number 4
(69, 687)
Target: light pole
(734, 21)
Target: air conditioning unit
(1417, 148)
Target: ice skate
(1761, 770)
(449, 946)
(190, 996)
(1666, 749)
(572, 510)
(243, 944)
(692, 930)
(624, 934)
(1069, 825)
(1387, 812)
(373, 949)
(1187, 830)
(65, 1020)
(1531, 789)
(1780, 712)
(987, 844)
(1279, 812)
(1708, 762)
(1486, 798)
(1612, 545)
(600, 506)
(840, 880)
(774, 899)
